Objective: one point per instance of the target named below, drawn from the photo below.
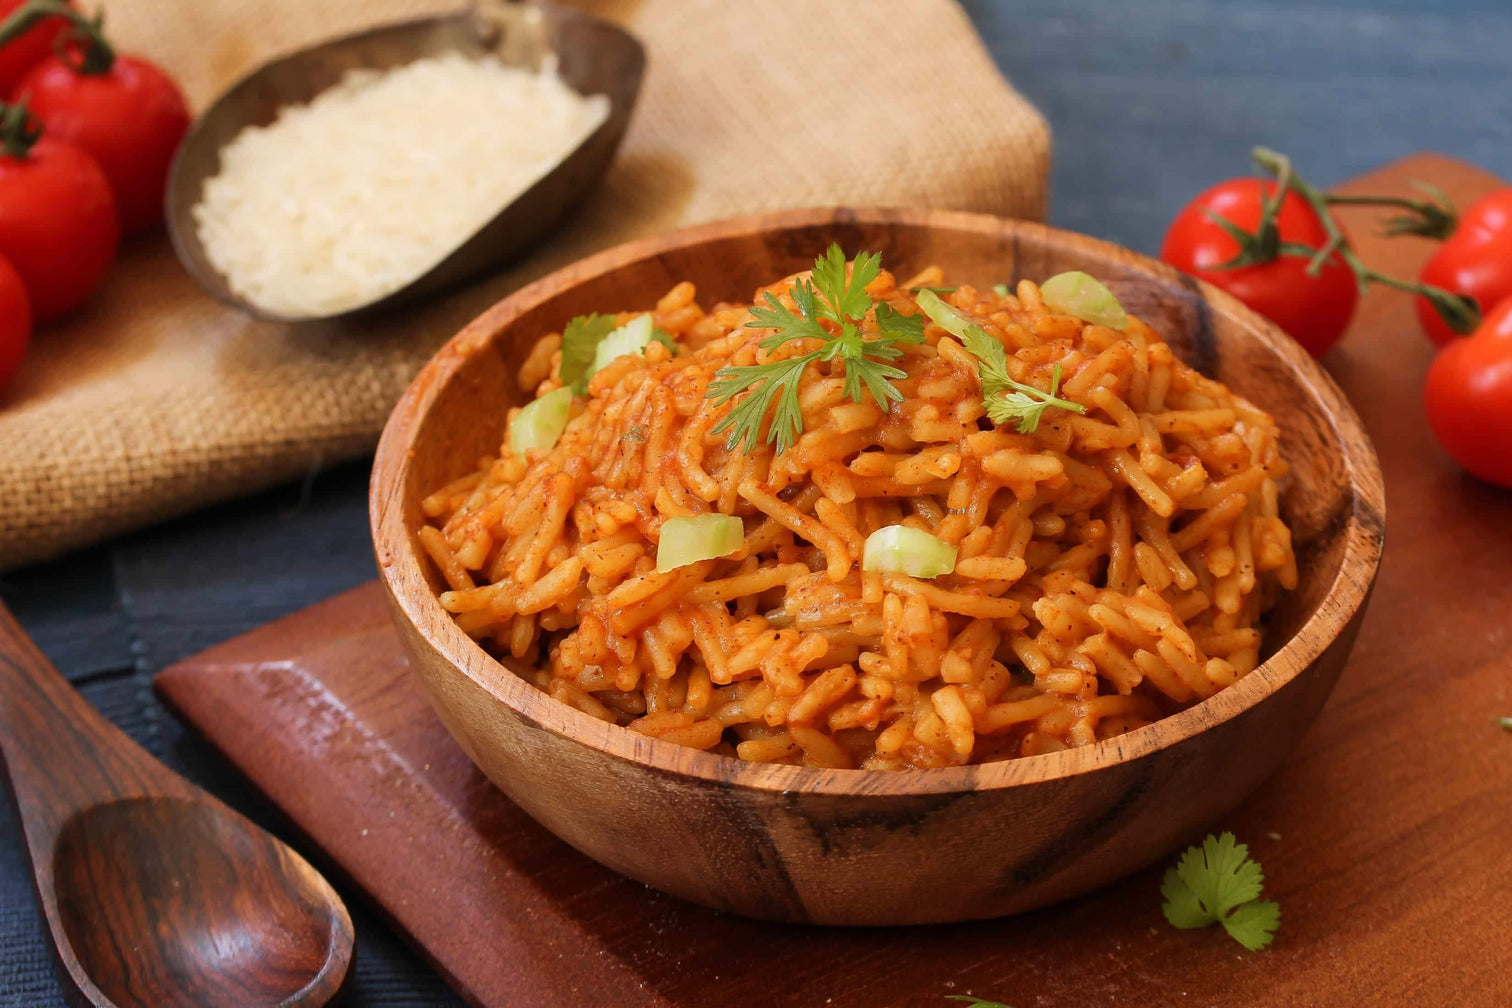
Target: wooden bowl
(870, 847)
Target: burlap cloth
(155, 400)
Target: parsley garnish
(580, 342)
(830, 297)
(1218, 883)
(1004, 399)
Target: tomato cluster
(1468, 395)
(1287, 258)
(87, 138)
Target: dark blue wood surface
(1150, 102)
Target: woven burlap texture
(154, 400)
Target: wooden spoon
(154, 893)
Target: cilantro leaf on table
(1253, 925)
(1218, 883)
(976, 1002)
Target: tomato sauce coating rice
(1112, 565)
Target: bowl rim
(400, 560)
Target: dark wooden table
(1149, 102)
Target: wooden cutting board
(1387, 838)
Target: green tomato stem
(93, 55)
(19, 130)
(1460, 313)
(1429, 219)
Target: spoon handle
(61, 753)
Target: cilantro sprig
(829, 297)
(1006, 401)
(1025, 406)
(1218, 883)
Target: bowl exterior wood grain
(857, 847)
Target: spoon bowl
(167, 859)
(153, 893)
(593, 57)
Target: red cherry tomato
(131, 118)
(1313, 310)
(15, 323)
(58, 224)
(26, 50)
(1469, 398)
(1475, 260)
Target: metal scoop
(593, 57)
